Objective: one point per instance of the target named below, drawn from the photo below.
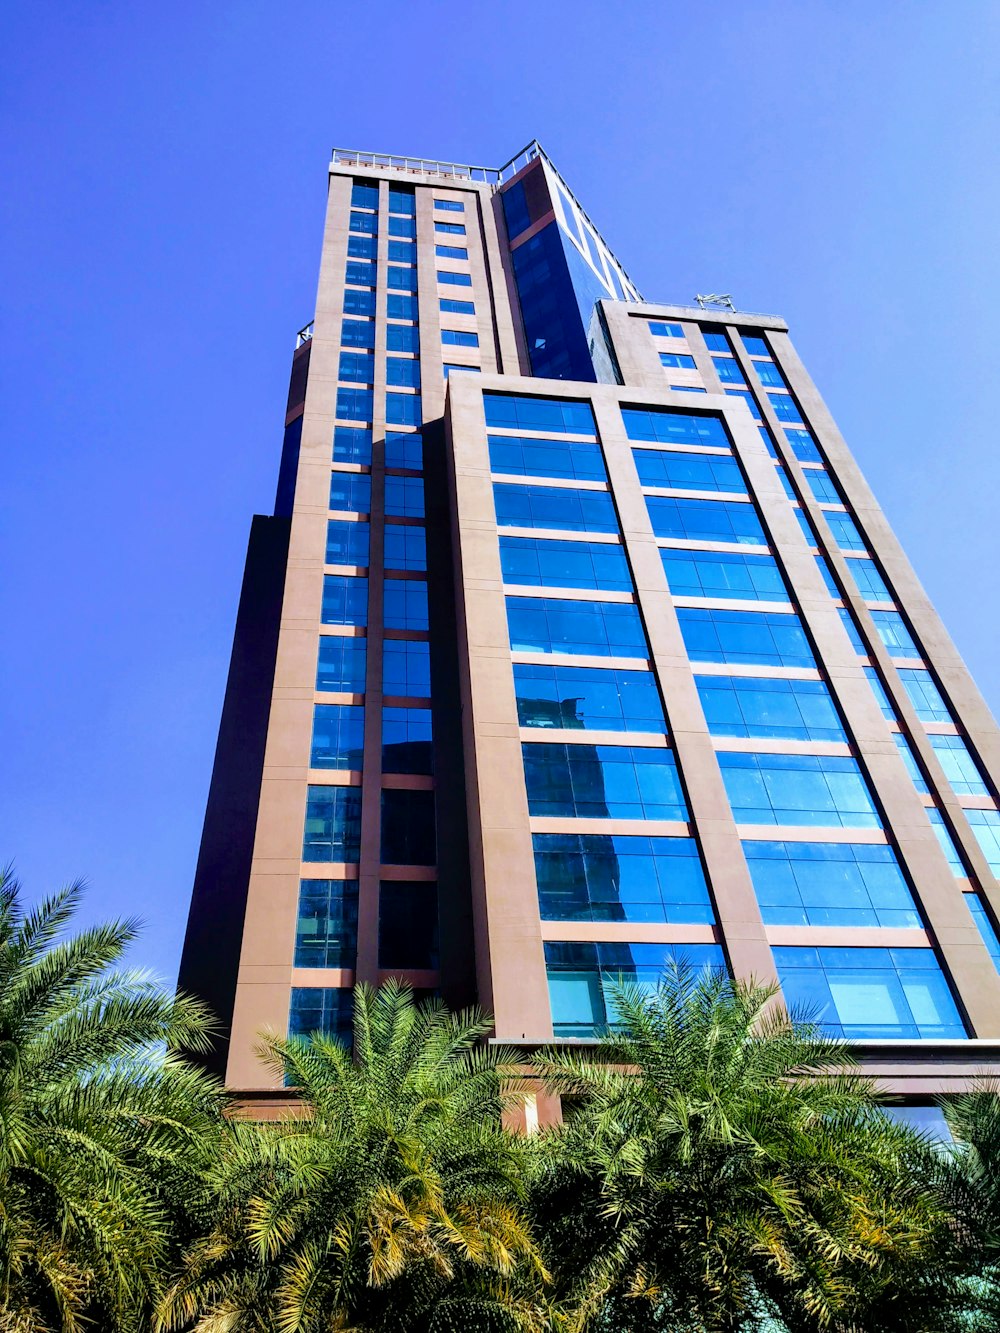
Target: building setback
(577, 643)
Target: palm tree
(725, 1168)
(390, 1199)
(103, 1125)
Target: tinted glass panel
(747, 706)
(338, 736)
(345, 600)
(404, 497)
(870, 582)
(350, 492)
(364, 196)
(346, 543)
(402, 371)
(845, 533)
(764, 638)
(573, 459)
(359, 302)
(558, 564)
(404, 449)
(705, 520)
(532, 506)
(667, 427)
(402, 338)
(406, 668)
(357, 333)
(602, 781)
(342, 663)
(688, 472)
(321, 1009)
(333, 824)
(326, 932)
(620, 877)
(830, 884)
(924, 695)
(824, 790)
(959, 766)
(894, 634)
(352, 444)
(354, 404)
(596, 629)
(406, 740)
(724, 574)
(408, 828)
(407, 925)
(547, 414)
(594, 698)
(405, 546)
(986, 827)
(402, 409)
(404, 604)
(804, 447)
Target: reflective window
(357, 333)
(402, 409)
(401, 279)
(549, 414)
(765, 435)
(531, 506)
(982, 920)
(620, 877)
(845, 532)
(825, 790)
(910, 763)
(406, 740)
(342, 664)
(352, 444)
(947, 842)
(858, 993)
(361, 247)
(959, 766)
(402, 201)
(354, 404)
(366, 223)
(326, 931)
(893, 632)
(772, 707)
(400, 226)
(452, 228)
(449, 205)
(322, 1009)
(405, 546)
(763, 638)
(804, 447)
(924, 695)
(828, 579)
(784, 407)
(402, 371)
(338, 736)
(407, 925)
(986, 827)
(536, 562)
(402, 252)
(878, 689)
(595, 629)
(450, 307)
(404, 449)
(398, 306)
(688, 472)
(769, 374)
(662, 329)
(705, 520)
(351, 492)
(333, 825)
(583, 976)
(755, 344)
(727, 370)
(830, 884)
(716, 340)
(346, 543)
(663, 426)
(573, 459)
(404, 497)
(345, 600)
(602, 782)
(870, 583)
(677, 361)
(748, 398)
(591, 698)
(853, 633)
(403, 338)
(451, 252)
(459, 338)
(360, 273)
(454, 279)
(823, 486)
(406, 668)
(408, 837)
(404, 604)
(364, 196)
(786, 485)
(358, 302)
(729, 574)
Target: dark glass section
(408, 828)
(602, 782)
(555, 332)
(323, 1009)
(620, 877)
(326, 933)
(407, 925)
(406, 740)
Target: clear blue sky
(163, 174)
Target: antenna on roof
(722, 302)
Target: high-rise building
(577, 643)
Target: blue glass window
(359, 302)
(716, 340)
(402, 201)
(322, 1009)
(326, 931)
(338, 736)
(406, 740)
(727, 370)
(770, 375)
(688, 472)
(452, 228)
(404, 449)
(755, 345)
(588, 698)
(364, 196)
(357, 367)
(365, 223)
(342, 664)
(804, 447)
(726, 574)
(403, 338)
(402, 226)
(853, 633)
(360, 273)
(406, 668)
(402, 252)
(536, 562)
(582, 977)
(405, 604)
(750, 706)
(910, 763)
(451, 307)
(451, 252)
(346, 543)
(823, 486)
(947, 843)
(408, 925)
(399, 306)
(830, 884)
(878, 689)
(530, 506)
(333, 825)
(402, 409)
(351, 492)
(845, 531)
(784, 407)
(560, 415)
(602, 782)
(459, 338)
(345, 600)
(808, 531)
(620, 877)
(401, 279)
(677, 361)
(894, 634)
(828, 579)
(595, 629)
(661, 329)
(858, 993)
(404, 497)
(761, 638)
(352, 444)
(454, 279)
(357, 333)
(748, 398)
(405, 546)
(355, 404)
(825, 790)
(705, 520)
(361, 247)
(959, 766)
(985, 925)
(449, 205)
(408, 828)
(660, 425)
(924, 695)
(573, 459)
(449, 369)
(786, 485)
(870, 582)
